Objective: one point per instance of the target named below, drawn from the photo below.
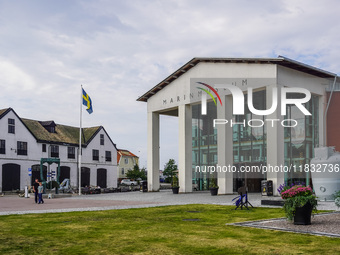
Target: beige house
(125, 161)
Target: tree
(169, 169)
(136, 173)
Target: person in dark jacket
(35, 189)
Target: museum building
(243, 120)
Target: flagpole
(79, 150)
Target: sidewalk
(13, 204)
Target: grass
(160, 230)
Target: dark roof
(63, 134)
(47, 123)
(3, 112)
(280, 60)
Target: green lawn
(160, 230)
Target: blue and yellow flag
(87, 102)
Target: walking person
(35, 189)
(40, 193)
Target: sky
(118, 50)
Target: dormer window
(49, 126)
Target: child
(40, 192)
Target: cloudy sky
(120, 49)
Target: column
(185, 148)
(153, 151)
(322, 120)
(225, 146)
(275, 140)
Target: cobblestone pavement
(13, 204)
(324, 224)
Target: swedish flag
(87, 102)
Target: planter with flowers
(300, 203)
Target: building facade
(126, 160)
(241, 120)
(23, 142)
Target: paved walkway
(323, 224)
(13, 204)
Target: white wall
(230, 72)
(34, 151)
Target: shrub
(337, 198)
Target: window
(95, 154)
(122, 170)
(101, 139)
(126, 160)
(71, 152)
(54, 151)
(11, 126)
(108, 156)
(44, 147)
(300, 140)
(51, 129)
(22, 148)
(50, 126)
(2, 147)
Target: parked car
(128, 182)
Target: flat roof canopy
(282, 61)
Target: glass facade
(301, 140)
(204, 145)
(249, 143)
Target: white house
(24, 142)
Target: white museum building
(241, 121)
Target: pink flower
(297, 190)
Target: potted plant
(213, 187)
(300, 203)
(174, 185)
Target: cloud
(12, 78)
(118, 50)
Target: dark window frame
(102, 139)
(54, 151)
(108, 156)
(71, 152)
(2, 146)
(95, 155)
(11, 126)
(22, 148)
